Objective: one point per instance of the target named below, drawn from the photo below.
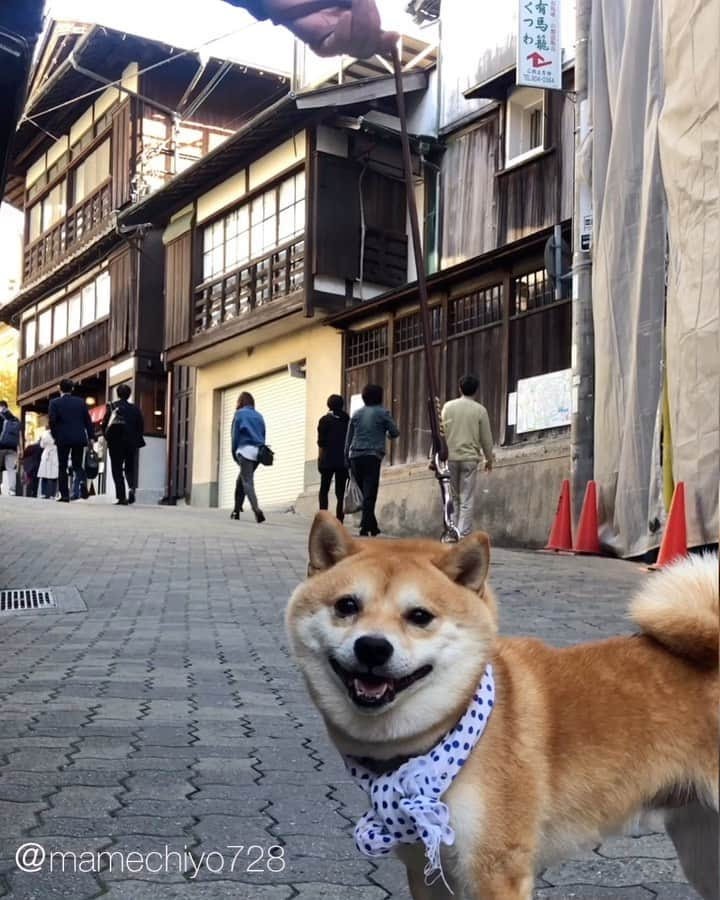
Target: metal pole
(583, 342)
(439, 448)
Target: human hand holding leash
(350, 27)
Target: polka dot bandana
(406, 805)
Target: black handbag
(265, 455)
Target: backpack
(10, 434)
(116, 423)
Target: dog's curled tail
(679, 607)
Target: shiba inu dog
(398, 644)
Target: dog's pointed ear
(329, 543)
(467, 563)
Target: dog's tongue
(374, 690)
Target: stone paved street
(168, 718)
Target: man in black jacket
(332, 429)
(10, 448)
(123, 427)
(72, 430)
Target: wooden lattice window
(532, 291)
(363, 347)
(483, 307)
(408, 330)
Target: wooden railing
(79, 226)
(250, 287)
(79, 350)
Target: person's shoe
(375, 533)
(364, 534)
(235, 515)
(63, 499)
(131, 497)
(259, 517)
(120, 503)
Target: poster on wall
(356, 402)
(544, 401)
(539, 50)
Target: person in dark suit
(123, 427)
(72, 430)
(332, 431)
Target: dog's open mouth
(366, 689)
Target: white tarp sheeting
(653, 92)
(689, 137)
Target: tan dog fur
(581, 742)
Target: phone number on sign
(246, 858)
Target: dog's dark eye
(420, 616)
(347, 606)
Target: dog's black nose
(373, 651)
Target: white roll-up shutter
(280, 398)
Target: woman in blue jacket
(248, 435)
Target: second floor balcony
(79, 226)
(277, 274)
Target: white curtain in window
(102, 296)
(45, 329)
(92, 172)
(74, 313)
(60, 321)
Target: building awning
(502, 257)
(494, 88)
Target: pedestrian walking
(99, 447)
(49, 466)
(369, 428)
(332, 431)
(10, 448)
(72, 430)
(247, 437)
(124, 427)
(30, 465)
(469, 438)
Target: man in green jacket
(469, 438)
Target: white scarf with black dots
(406, 805)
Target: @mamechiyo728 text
(249, 859)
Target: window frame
(73, 158)
(73, 303)
(83, 161)
(525, 155)
(219, 225)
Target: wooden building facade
(110, 118)
(294, 217)
(505, 178)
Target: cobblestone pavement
(167, 718)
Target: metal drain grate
(26, 600)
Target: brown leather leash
(450, 534)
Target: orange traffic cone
(561, 532)
(674, 542)
(586, 540)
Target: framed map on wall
(544, 401)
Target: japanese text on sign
(539, 51)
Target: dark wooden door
(181, 428)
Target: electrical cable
(118, 82)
